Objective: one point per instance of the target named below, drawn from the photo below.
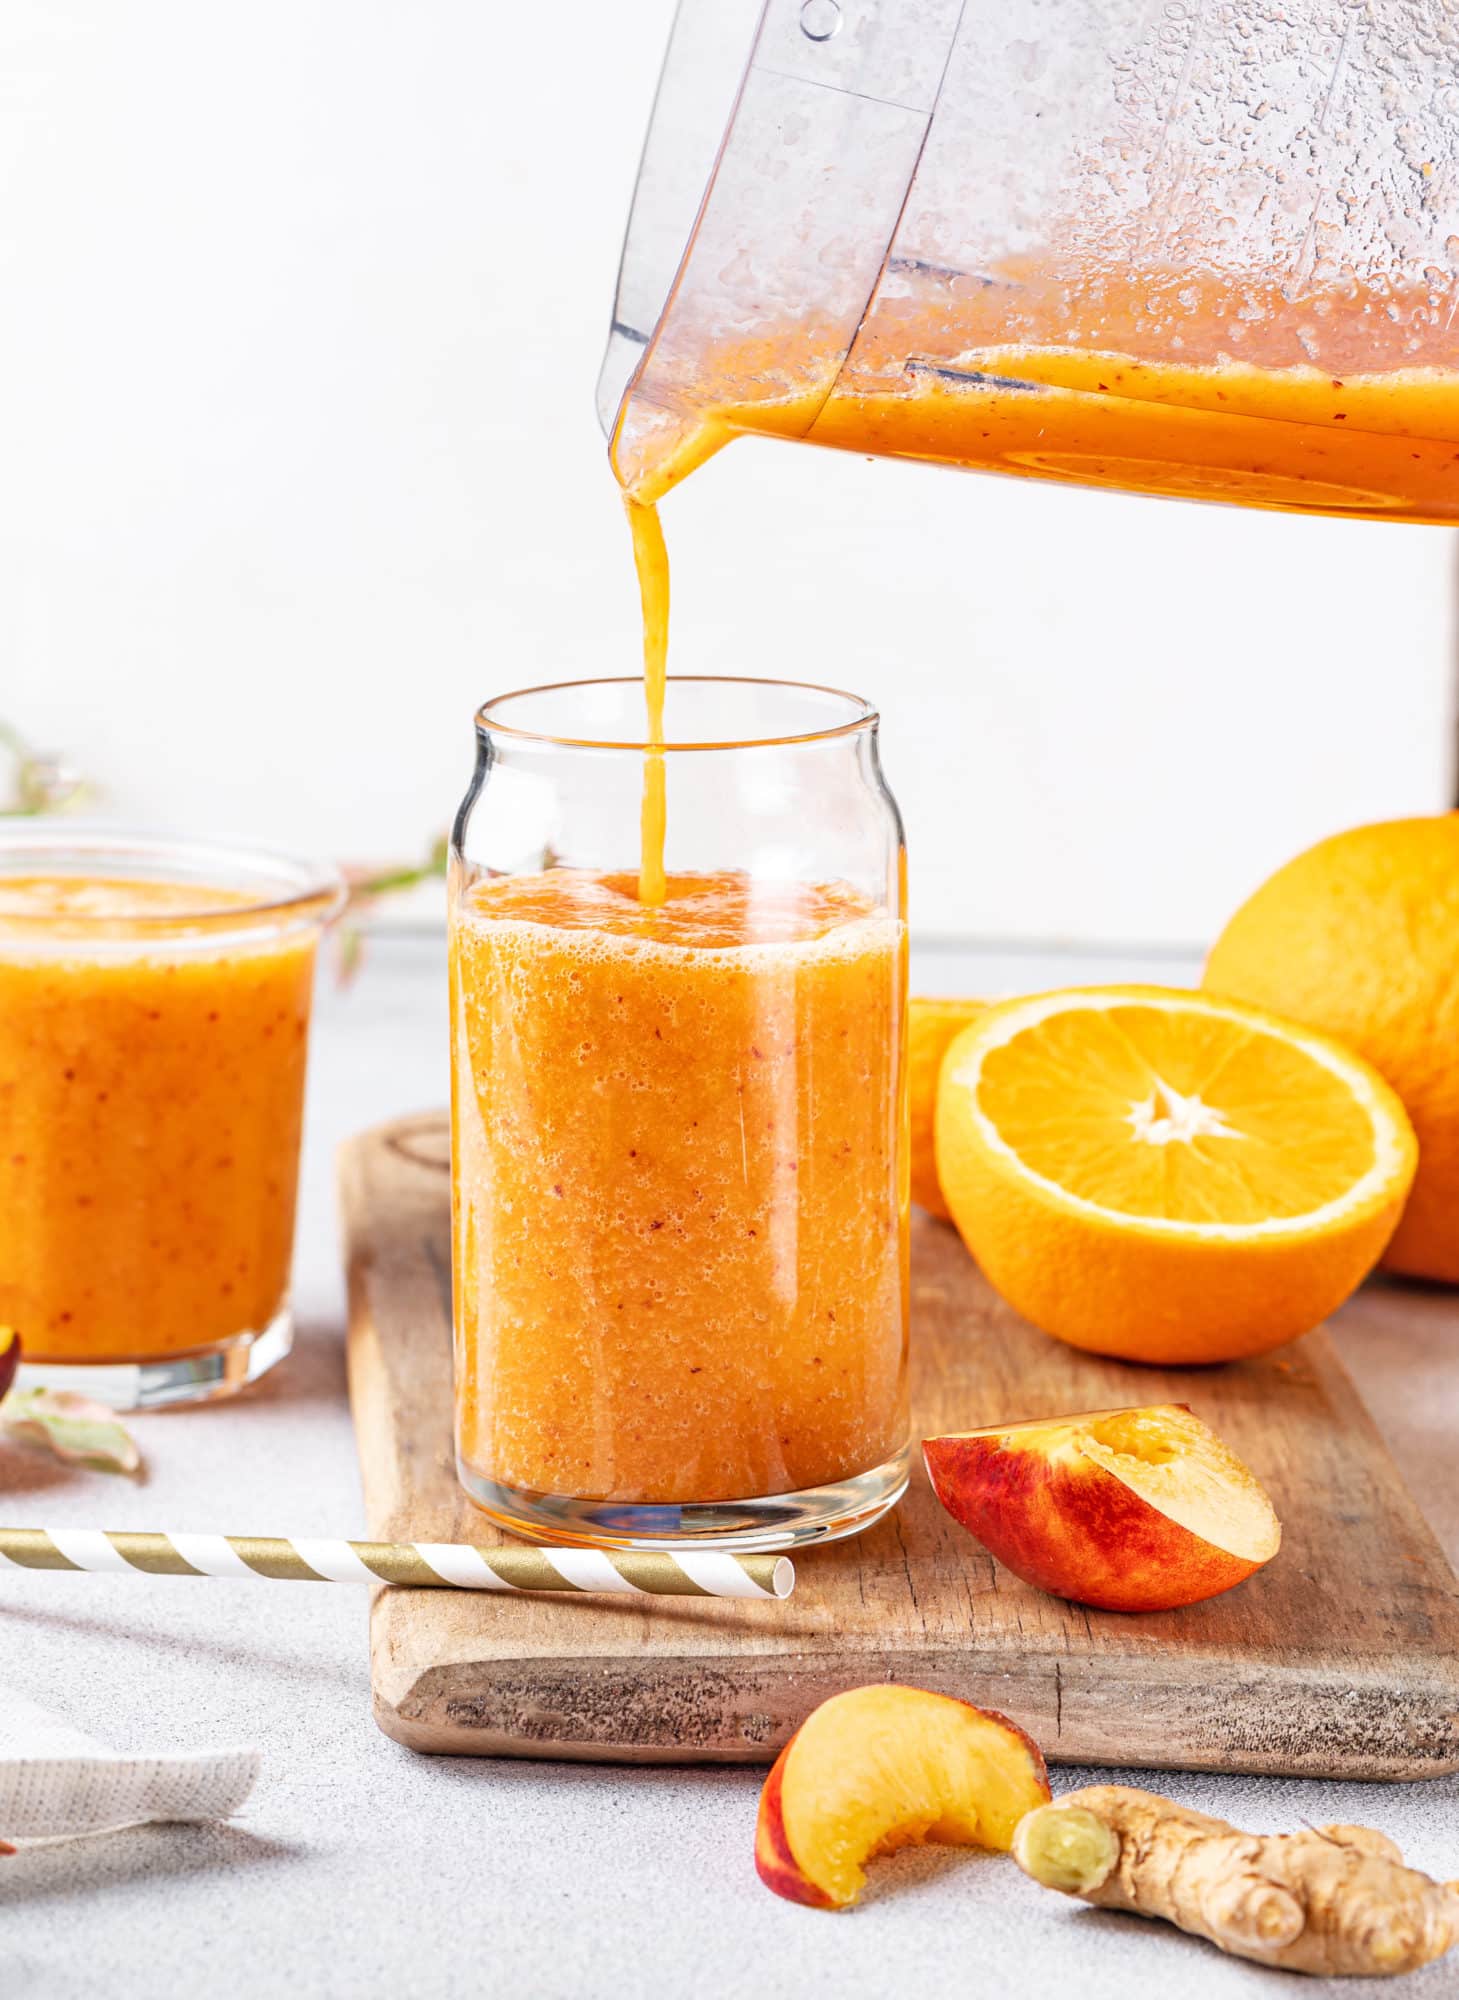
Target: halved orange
(932, 1027)
(1164, 1175)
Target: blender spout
(709, 45)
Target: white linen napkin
(56, 1783)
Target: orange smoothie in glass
(680, 1202)
(153, 1036)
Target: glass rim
(865, 715)
(315, 890)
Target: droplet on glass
(820, 19)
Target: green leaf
(82, 1432)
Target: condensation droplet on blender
(739, 271)
(820, 20)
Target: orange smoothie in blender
(680, 1194)
(1160, 386)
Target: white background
(301, 308)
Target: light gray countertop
(360, 1869)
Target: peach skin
(1126, 1510)
(882, 1767)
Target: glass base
(198, 1375)
(777, 1521)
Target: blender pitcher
(1199, 247)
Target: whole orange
(1359, 936)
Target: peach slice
(9, 1358)
(1129, 1510)
(885, 1767)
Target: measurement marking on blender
(921, 267)
(976, 376)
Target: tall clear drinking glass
(679, 1130)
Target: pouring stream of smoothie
(1373, 433)
(651, 560)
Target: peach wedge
(1127, 1510)
(879, 1768)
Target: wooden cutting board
(1339, 1660)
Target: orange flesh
(1263, 1130)
(886, 1767)
(679, 1234)
(152, 1097)
(932, 1027)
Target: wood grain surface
(1339, 1660)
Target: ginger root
(1336, 1899)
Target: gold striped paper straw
(421, 1565)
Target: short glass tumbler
(154, 1022)
(679, 1132)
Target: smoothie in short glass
(154, 1023)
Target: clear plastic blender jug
(1201, 247)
